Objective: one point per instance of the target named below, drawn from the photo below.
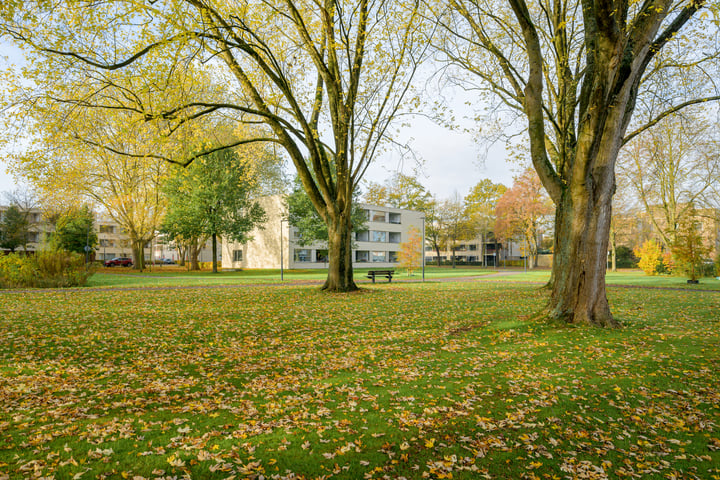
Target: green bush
(706, 269)
(45, 269)
(624, 257)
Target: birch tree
(576, 71)
(325, 78)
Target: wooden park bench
(380, 273)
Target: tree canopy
(74, 230)
(212, 197)
(326, 79)
(576, 71)
(14, 228)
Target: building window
(104, 242)
(362, 256)
(362, 236)
(107, 229)
(378, 236)
(377, 216)
(33, 237)
(321, 256)
(237, 255)
(394, 217)
(393, 257)
(302, 255)
(379, 256)
(395, 237)
(473, 247)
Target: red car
(119, 261)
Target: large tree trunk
(138, 255)
(582, 224)
(340, 269)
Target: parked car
(168, 261)
(119, 262)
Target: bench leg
(373, 279)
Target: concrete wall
(263, 250)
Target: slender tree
(576, 71)
(480, 207)
(411, 252)
(456, 226)
(434, 228)
(213, 197)
(522, 211)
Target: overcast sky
(450, 160)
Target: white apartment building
(378, 245)
(37, 228)
(112, 240)
(470, 251)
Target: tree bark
(340, 270)
(193, 253)
(138, 255)
(581, 241)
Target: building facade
(377, 245)
(471, 251)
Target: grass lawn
(436, 380)
(627, 277)
(177, 276)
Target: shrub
(650, 257)
(624, 257)
(668, 263)
(45, 269)
(208, 265)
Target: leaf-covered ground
(407, 380)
